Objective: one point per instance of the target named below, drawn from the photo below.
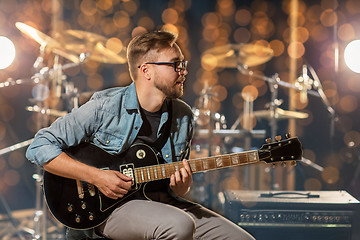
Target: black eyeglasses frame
(176, 64)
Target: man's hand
(113, 184)
(181, 181)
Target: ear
(145, 71)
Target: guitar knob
(268, 140)
(77, 218)
(293, 163)
(83, 205)
(288, 135)
(278, 138)
(91, 216)
(283, 164)
(70, 207)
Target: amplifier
(296, 215)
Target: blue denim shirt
(111, 119)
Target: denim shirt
(111, 119)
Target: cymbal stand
(57, 82)
(273, 105)
(274, 83)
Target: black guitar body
(80, 205)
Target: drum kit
(76, 47)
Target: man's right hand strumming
(113, 184)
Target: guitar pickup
(129, 170)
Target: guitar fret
(205, 165)
(142, 175)
(148, 173)
(193, 166)
(155, 173)
(163, 171)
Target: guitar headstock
(287, 150)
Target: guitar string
(147, 173)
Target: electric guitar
(80, 205)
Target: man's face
(166, 79)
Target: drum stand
(66, 91)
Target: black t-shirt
(148, 135)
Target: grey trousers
(168, 218)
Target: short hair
(140, 45)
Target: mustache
(181, 79)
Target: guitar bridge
(129, 170)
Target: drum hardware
(310, 163)
(275, 113)
(77, 47)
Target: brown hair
(140, 45)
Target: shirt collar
(131, 98)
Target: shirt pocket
(108, 141)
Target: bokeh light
(352, 55)
(7, 49)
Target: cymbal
(92, 44)
(46, 41)
(233, 55)
(280, 114)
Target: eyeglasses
(178, 65)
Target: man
(147, 111)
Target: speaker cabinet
(297, 215)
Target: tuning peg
(293, 163)
(268, 140)
(273, 165)
(278, 138)
(283, 164)
(288, 135)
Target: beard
(174, 91)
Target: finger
(109, 194)
(185, 175)
(187, 166)
(177, 177)
(172, 180)
(123, 176)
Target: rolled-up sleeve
(66, 131)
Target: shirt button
(181, 151)
(136, 128)
(107, 141)
(167, 156)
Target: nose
(184, 72)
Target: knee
(180, 227)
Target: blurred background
(256, 69)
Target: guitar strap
(165, 131)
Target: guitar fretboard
(163, 171)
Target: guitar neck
(163, 171)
